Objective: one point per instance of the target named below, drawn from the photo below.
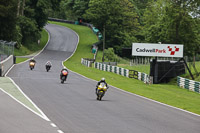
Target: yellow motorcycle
(101, 90)
(32, 65)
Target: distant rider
(32, 60)
(48, 63)
(101, 81)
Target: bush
(110, 55)
(29, 30)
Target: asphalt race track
(73, 107)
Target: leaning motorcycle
(63, 76)
(102, 88)
(32, 65)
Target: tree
(171, 22)
(117, 17)
(8, 18)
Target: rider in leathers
(61, 74)
(101, 81)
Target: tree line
(124, 21)
(23, 20)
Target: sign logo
(159, 50)
(173, 52)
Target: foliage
(37, 10)
(171, 22)
(32, 47)
(8, 19)
(18, 37)
(110, 55)
(118, 18)
(70, 9)
(165, 93)
(29, 30)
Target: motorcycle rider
(48, 64)
(101, 81)
(32, 60)
(63, 70)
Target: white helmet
(102, 79)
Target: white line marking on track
(143, 97)
(43, 115)
(24, 105)
(53, 125)
(59, 131)
(130, 92)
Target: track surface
(73, 106)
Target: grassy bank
(165, 93)
(31, 48)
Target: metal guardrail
(6, 49)
(6, 64)
(188, 84)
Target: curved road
(73, 106)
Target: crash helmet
(103, 79)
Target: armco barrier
(188, 84)
(122, 71)
(86, 62)
(114, 69)
(5, 65)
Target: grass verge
(18, 59)
(32, 49)
(7, 85)
(165, 93)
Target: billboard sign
(159, 50)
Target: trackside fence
(122, 71)
(86, 62)
(114, 69)
(188, 84)
(6, 64)
(118, 70)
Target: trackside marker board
(159, 50)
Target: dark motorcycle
(63, 76)
(48, 67)
(102, 88)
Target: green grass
(32, 48)
(7, 85)
(165, 93)
(139, 68)
(19, 60)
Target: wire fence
(6, 49)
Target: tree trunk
(23, 7)
(18, 7)
(104, 31)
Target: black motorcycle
(63, 76)
(48, 67)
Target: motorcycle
(32, 65)
(48, 67)
(63, 76)
(102, 88)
